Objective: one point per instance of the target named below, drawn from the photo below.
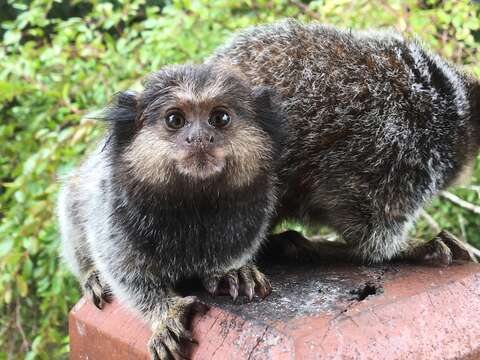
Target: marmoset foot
(442, 250)
(292, 245)
(96, 290)
(247, 280)
(170, 333)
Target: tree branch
(460, 202)
(18, 323)
(430, 220)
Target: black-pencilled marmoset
(183, 186)
(377, 126)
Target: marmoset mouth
(202, 156)
(201, 165)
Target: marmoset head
(197, 122)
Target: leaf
(22, 286)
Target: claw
(158, 350)
(96, 290)
(250, 291)
(232, 279)
(211, 284)
(441, 253)
(249, 284)
(264, 286)
(458, 249)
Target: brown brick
(315, 312)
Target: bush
(62, 59)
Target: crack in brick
(449, 314)
(224, 332)
(214, 322)
(362, 293)
(379, 318)
(259, 340)
(330, 323)
(476, 279)
(219, 346)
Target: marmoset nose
(200, 138)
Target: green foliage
(63, 59)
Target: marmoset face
(199, 135)
(199, 123)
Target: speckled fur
(377, 126)
(144, 226)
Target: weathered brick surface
(315, 312)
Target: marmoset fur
(377, 127)
(183, 186)
(354, 130)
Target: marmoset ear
(121, 115)
(123, 108)
(270, 114)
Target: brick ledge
(315, 312)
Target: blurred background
(60, 60)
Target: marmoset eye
(175, 120)
(219, 119)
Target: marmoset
(354, 130)
(183, 186)
(377, 127)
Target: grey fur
(138, 217)
(378, 126)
